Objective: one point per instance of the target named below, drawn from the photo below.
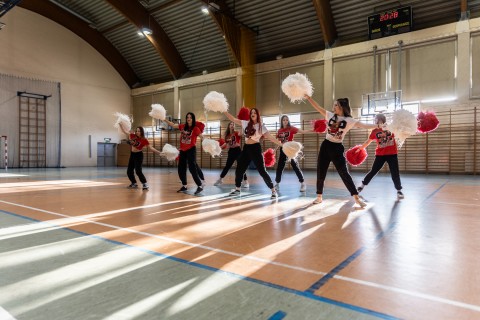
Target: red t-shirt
(386, 144)
(286, 134)
(233, 140)
(138, 142)
(188, 139)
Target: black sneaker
(182, 189)
(199, 190)
(235, 192)
(400, 194)
(132, 186)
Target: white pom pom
(211, 146)
(403, 125)
(215, 101)
(123, 121)
(296, 86)
(169, 152)
(292, 149)
(158, 112)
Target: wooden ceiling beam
(140, 17)
(325, 18)
(84, 31)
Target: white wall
(91, 89)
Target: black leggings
(333, 152)
(378, 163)
(233, 154)
(135, 163)
(189, 158)
(281, 165)
(251, 152)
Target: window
(412, 107)
(212, 127)
(273, 122)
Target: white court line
(4, 315)
(362, 282)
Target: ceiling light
(205, 10)
(144, 31)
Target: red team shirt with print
(386, 144)
(188, 139)
(138, 142)
(233, 140)
(286, 134)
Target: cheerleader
(339, 122)
(386, 151)
(285, 134)
(232, 142)
(137, 142)
(188, 151)
(253, 130)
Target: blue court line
(304, 294)
(279, 315)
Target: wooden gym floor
(77, 244)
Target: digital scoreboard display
(389, 23)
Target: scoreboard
(389, 23)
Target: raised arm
(363, 125)
(232, 118)
(269, 136)
(171, 124)
(317, 107)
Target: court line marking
(4, 315)
(366, 283)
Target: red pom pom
(356, 158)
(244, 114)
(222, 143)
(269, 157)
(320, 125)
(200, 125)
(427, 122)
(177, 158)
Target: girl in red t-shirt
(138, 141)
(233, 141)
(386, 151)
(285, 134)
(188, 151)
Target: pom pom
(320, 125)
(222, 143)
(170, 152)
(269, 157)
(244, 114)
(292, 149)
(123, 121)
(158, 112)
(200, 125)
(215, 101)
(403, 125)
(427, 122)
(296, 86)
(356, 156)
(211, 146)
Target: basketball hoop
(381, 102)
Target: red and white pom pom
(403, 125)
(356, 156)
(292, 149)
(244, 114)
(158, 112)
(222, 143)
(269, 157)
(296, 86)
(212, 147)
(215, 101)
(170, 152)
(200, 125)
(123, 121)
(427, 122)
(320, 125)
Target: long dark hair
(345, 104)
(227, 132)
(187, 128)
(249, 127)
(142, 132)
(281, 121)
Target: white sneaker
(318, 200)
(234, 192)
(359, 201)
(218, 182)
(400, 194)
(274, 194)
(277, 186)
(303, 187)
(245, 184)
(203, 184)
